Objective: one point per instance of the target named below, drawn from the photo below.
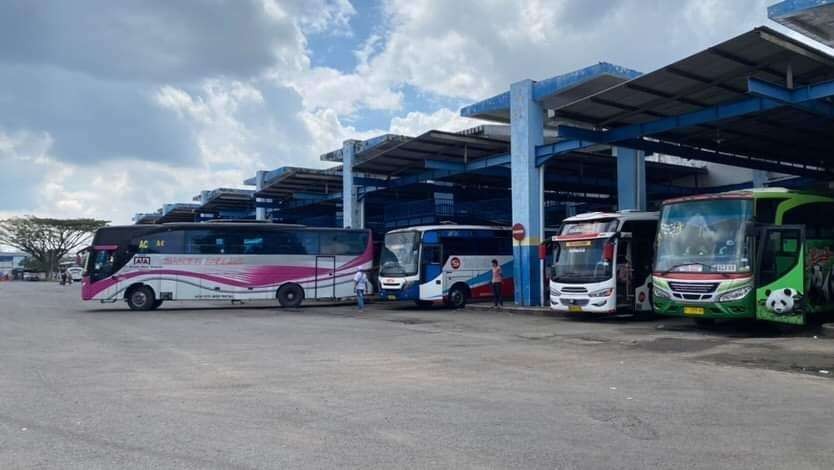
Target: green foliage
(47, 240)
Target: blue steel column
(631, 179)
(527, 120)
(260, 212)
(759, 178)
(349, 199)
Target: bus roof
(622, 215)
(140, 228)
(427, 228)
(744, 194)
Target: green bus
(762, 253)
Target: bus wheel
(157, 304)
(290, 295)
(141, 298)
(457, 297)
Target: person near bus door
(497, 284)
(360, 280)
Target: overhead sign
(519, 232)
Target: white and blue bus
(445, 263)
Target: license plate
(693, 310)
(392, 297)
(574, 308)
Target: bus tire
(290, 295)
(458, 295)
(157, 304)
(141, 298)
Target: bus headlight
(601, 293)
(661, 294)
(737, 294)
(555, 292)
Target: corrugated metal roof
(286, 181)
(410, 155)
(813, 18)
(228, 199)
(719, 75)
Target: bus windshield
(400, 254)
(704, 236)
(581, 261)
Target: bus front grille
(694, 287)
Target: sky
(109, 108)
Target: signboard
(519, 232)
(455, 263)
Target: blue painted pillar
(260, 212)
(759, 178)
(527, 121)
(631, 179)
(351, 210)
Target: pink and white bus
(148, 264)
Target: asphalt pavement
(203, 386)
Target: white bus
(445, 263)
(148, 264)
(602, 263)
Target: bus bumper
(584, 305)
(743, 308)
(409, 293)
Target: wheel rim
(457, 298)
(139, 299)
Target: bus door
(102, 264)
(325, 283)
(624, 270)
(431, 272)
(780, 274)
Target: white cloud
(210, 97)
(444, 119)
(429, 47)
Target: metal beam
(809, 95)
(808, 98)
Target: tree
(47, 240)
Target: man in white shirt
(359, 282)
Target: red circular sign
(455, 263)
(519, 232)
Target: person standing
(360, 280)
(497, 284)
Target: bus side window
(432, 254)
(814, 217)
(168, 242)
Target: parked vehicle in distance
(445, 263)
(762, 253)
(32, 276)
(146, 265)
(76, 273)
(602, 263)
